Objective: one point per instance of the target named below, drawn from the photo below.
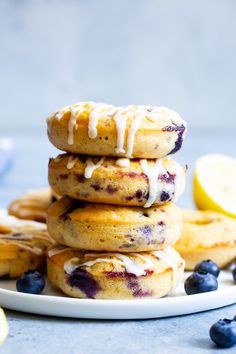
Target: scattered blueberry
(209, 267)
(200, 282)
(234, 274)
(235, 318)
(223, 333)
(30, 282)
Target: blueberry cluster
(204, 278)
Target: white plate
(53, 303)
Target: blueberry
(200, 282)
(209, 267)
(30, 282)
(234, 274)
(223, 333)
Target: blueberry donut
(97, 275)
(23, 245)
(105, 130)
(33, 205)
(117, 181)
(101, 227)
(207, 235)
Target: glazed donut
(114, 275)
(23, 245)
(104, 130)
(101, 227)
(117, 181)
(33, 205)
(207, 235)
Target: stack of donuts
(116, 220)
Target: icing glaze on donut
(131, 266)
(152, 173)
(72, 161)
(96, 113)
(57, 250)
(90, 166)
(125, 162)
(173, 259)
(120, 115)
(132, 131)
(21, 233)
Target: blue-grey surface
(31, 334)
(176, 53)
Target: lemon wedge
(3, 326)
(214, 184)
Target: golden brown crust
(111, 183)
(23, 246)
(32, 205)
(154, 138)
(207, 235)
(109, 279)
(103, 227)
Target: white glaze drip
(120, 115)
(11, 221)
(72, 161)
(90, 166)
(72, 123)
(132, 131)
(57, 250)
(123, 162)
(131, 266)
(152, 173)
(26, 246)
(173, 259)
(94, 116)
(120, 119)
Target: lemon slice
(3, 326)
(214, 186)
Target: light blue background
(180, 54)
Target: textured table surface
(31, 334)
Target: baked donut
(101, 227)
(114, 275)
(207, 235)
(117, 181)
(132, 131)
(23, 245)
(33, 205)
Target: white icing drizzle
(123, 162)
(120, 116)
(57, 250)
(173, 259)
(72, 161)
(11, 221)
(94, 116)
(131, 266)
(90, 166)
(152, 173)
(132, 131)
(26, 246)
(72, 123)
(120, 119)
